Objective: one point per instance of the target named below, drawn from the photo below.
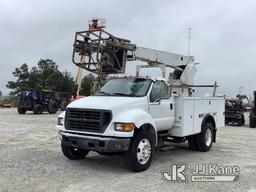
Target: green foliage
(8, 101)
(45, 76)
(1, 94)
(87, 84)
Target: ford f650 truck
(134, 115)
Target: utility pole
(189, 38)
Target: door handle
(171, 106)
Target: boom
(154, 57)
(107, 54)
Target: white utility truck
(134, 115)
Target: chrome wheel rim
(144, 151)
(208, 137)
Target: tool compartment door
(211, 106)
(191, 112)
(188, 117)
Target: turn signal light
(126, 127)
(60, 121)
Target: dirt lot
(31, 160)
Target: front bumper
(95, 143)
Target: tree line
(46, 76)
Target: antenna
(189, 37)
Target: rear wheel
(73, 153)
(252, 122)
(205, 138)
(140, 154)
(53, 108)
(192, 142)
(21, 110)
(37, 109)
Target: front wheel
(140, 154)
(21, 110)
(73, 153)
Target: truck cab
(133, 115)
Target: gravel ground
(31, 160)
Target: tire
(192, 142)
(243, 121)
(73, 153)
(37, 109)
(136, 160)
(21, 110)
(204, 140)
(252, 123)
(63, 105)
(53, 108)
(240, 122)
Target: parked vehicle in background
(38, 102)
(253, 112)
(62, 99)
(246, 102)
(248, 108)
(234, 112)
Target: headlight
(60, 121)
(126, 127)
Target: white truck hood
(105, 102)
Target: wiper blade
(124, 94)
(102, 92)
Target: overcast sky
(223, 37)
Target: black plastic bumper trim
(96, 143)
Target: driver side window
(159, 91)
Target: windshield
(126, 87)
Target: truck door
(161, 106)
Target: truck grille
(89, 120)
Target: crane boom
(154, 57)
(107, 54)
